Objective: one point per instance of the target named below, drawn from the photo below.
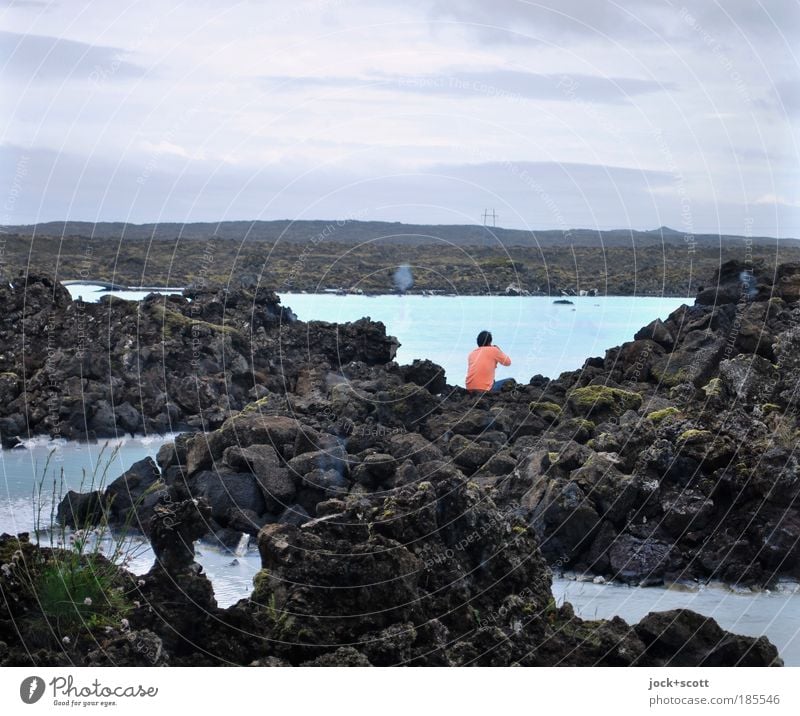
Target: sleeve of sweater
(502, 358)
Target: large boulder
(681, 637)
(641, 561)
(611, 492)
(405, 406)
(363, 340)
(565, 520)
(134, 489)
(685, 511)
(695, 360)
(80, 510)
(426, 374)
(234, 497)
(414, 447)
(750, 378)
(656, 331)
(468, 454)
(391, 567)
(275, 480)
(244, 429)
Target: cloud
(639, 21)
(403, 110)
(498, 84)
(165, 147)
(774, 200)
(45, 58)
(547, 20)
(787, 95)
(42, 185)
(774, 19)
(41, 4)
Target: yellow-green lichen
(601, 398)
(713, 388)
(547, 410)
(658, 415)
(695, 436)
(670, 378)
(269, 401)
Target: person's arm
(502, 358)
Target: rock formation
(401, 520)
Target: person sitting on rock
(481, 365)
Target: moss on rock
(713, 388)
(601, 399)
(658, 415)
(695, 436)
(549, 411)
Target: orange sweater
(481, 365)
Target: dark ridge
(354, 232)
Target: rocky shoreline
(403, 520)
(83, 371)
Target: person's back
(482, 362)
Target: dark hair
(484, 339)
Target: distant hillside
(355, 232)
(360, 255)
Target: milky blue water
(45, 462)
(775, 614)
(92, 293)
(538, 335)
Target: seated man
(482, 363)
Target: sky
(555, 114)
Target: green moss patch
(695, 436)
(600, 399)
(658, 415)
(548, 411)
(713, 388)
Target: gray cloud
(535, 195)
(380, 109)
(548, 172)
(44, 58)
(500, 84)
(40, 4)
(549, 21)
(546, 20)
(748, 20)
(787, 95)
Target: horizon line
(346, 220)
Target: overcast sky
(557, 114)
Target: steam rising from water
(403, 278)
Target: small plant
(78, 582)
(278, 616)
(74, 590)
